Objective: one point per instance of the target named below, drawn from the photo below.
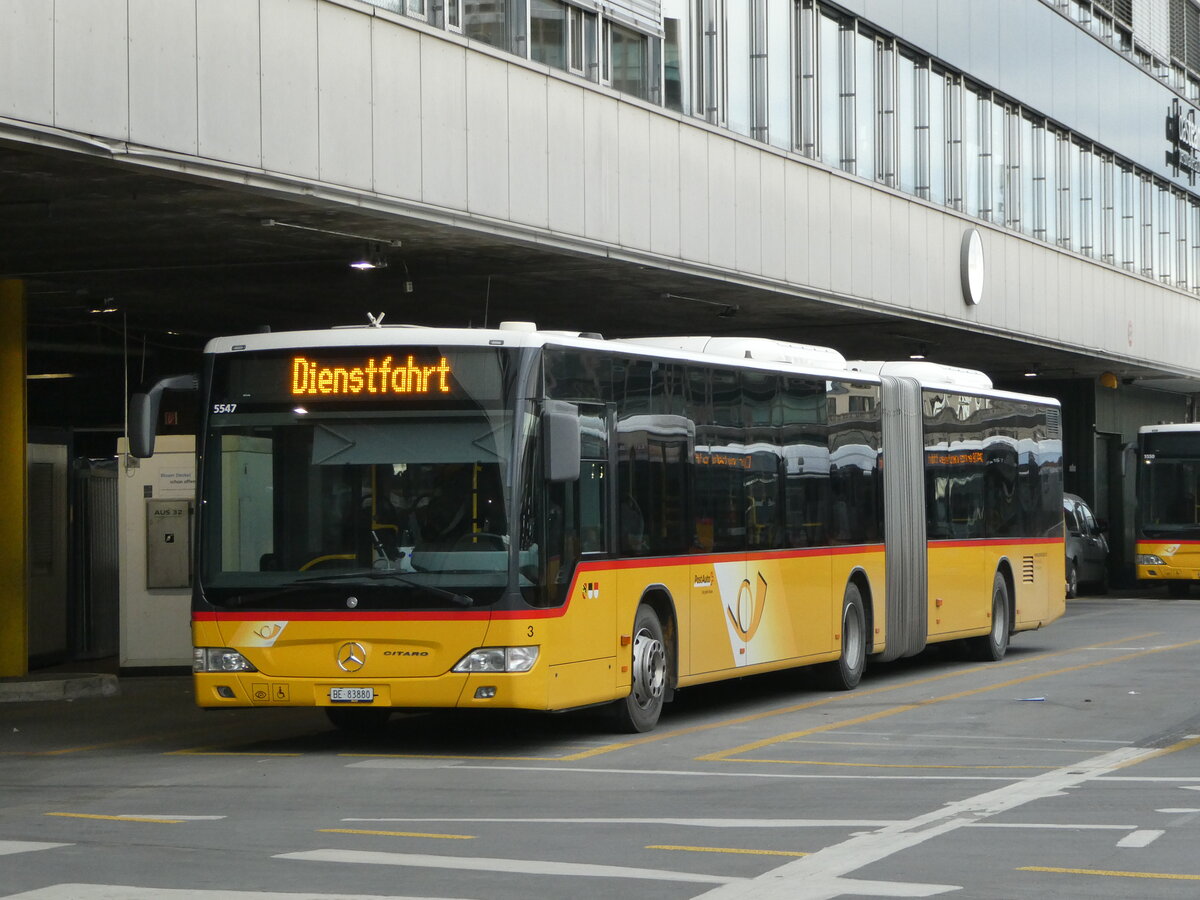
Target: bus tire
(844, 673)
(639, 711)
(360, 720)
(992, 646)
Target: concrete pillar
(14, 586)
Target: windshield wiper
(385, 575)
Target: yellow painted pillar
(14, 585)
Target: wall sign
(1183, 139)
(971, 267)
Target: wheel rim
(851, 639)
(649, 669)
(999, 619)
(1073, 580)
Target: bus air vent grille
(1053, 423)
(1027, 570)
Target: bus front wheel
(993, 645)
(844, 673)
(640, 710)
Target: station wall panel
(91, 68)
(396, 132)
(487, 132)
(162, 74)
(665, 186)
(344, 96)
(633, 176)
(290, 80)
(228, 92)
(27, 65)
(528, 159)
(565, 158)
(747, 208)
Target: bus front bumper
(527, 690)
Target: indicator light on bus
(485, 693)
(219, 659)
(498, 659)
(1149, 559)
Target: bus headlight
(1149, 559)
(498, 659)
(219, 659)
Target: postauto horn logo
(747, 615)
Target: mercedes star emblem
(351, 656)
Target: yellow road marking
(753, 717)
(1173, 748)
(726, 850)
(453, 756)
(420, 834)
(726, 755)
(204, 751)
(119, 818)
(1110, 873)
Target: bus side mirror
(561, 440)
(143, 412)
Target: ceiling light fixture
(108, 306)
(371, 258)
(919, 353)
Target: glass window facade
(805, 76)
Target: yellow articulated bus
(1168, 506)
(405, 517)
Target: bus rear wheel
(992, 646)
(844, 673)
(640, 710)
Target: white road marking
(8, 847)
(1063, 826)
(696, 823)
(1178, 812)
(513, 866)
(822, 875)
(126, 892)
(1143, 837)
(724, 823)
(669, 773)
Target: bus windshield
(332, 501)
(1168, 496)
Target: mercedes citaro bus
(406, 517)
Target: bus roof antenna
(376, 321)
